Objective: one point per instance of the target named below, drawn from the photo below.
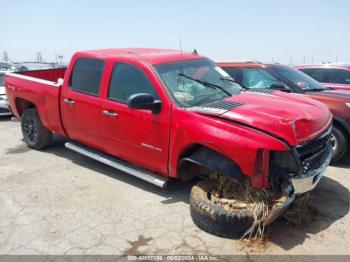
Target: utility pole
(5, 57)
(39, 58)
(60, 57)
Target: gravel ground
(58, 202)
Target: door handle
(109, 113)
(69, 101)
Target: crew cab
(159, 114)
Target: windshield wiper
(315, 89)
(234, 81)
(207, 84)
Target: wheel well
(22, 105)
(199, 160)
(341, 126)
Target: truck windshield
(298, 78)
(195, 82)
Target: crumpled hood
(292, 117)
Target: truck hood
(290, 117)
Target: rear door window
(127, 80)
(338, 76)
(319, 74)
(86, 76)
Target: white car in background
(27, 66)
(4, 107)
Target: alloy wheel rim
(30, 130)
(334, 142)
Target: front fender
(236, 142)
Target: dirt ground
(59, 202)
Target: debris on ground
(255, 245)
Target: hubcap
(334, 143)
(30, 130)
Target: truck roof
(241, 64)
(149, 55)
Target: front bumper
(279, 208)
(4, 108)
(308, 181)
(300, 185)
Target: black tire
(339, 143)
(213, 218)
(34, 133)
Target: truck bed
(40, 88)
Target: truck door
(81, 104)
(137, 136)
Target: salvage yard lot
(59, 202)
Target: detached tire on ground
(339, 143)
(34, 133)
(213, 218)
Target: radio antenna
(182, 61)
(182, 70)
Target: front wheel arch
(201, 160)
(340, 133)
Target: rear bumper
(4, 108)
(309, 181)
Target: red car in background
(263, 78)
(333, 75)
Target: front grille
(313, 154)
(4, 110)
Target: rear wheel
(34, 133)
(339, 142)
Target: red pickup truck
(159, 114)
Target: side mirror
(279, 86)
(144, 101)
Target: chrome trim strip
(118, 164)
(34, 79)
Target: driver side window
(127, 80)
(257, 78)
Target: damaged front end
(302, 168)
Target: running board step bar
(143, 174)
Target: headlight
(347, 104)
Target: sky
(265, 30)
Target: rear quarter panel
(43, 94)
